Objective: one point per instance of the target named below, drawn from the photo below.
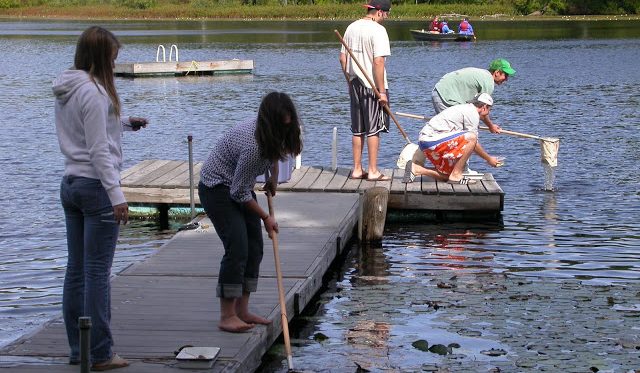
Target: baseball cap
(502, 65)
(485, 98)
(384, 5)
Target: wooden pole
(374, 213)
(283, 305)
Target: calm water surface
(576, 81)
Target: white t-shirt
(456, 118)
(367, 39)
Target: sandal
(114, 363)
(463, 181)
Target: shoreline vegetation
(289, 10)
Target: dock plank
(339, 180)
(323, 180)
(136, 178)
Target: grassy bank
(271, 9)
(205, 9)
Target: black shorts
(367, 115)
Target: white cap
(485, 98)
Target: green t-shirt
(460, 86)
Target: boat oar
(549, 145)
(410, 150)
(283, 306)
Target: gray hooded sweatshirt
(89, 131)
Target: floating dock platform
(166, 182)
(174, 68)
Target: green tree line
(470, 7)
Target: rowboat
(424, 35)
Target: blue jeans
(240, 231)
(92, 234)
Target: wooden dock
(164, 182)
(168, 300)
(141, 69)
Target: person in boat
(449, 139)
(445, 28)
(465, 27)
(369, 42)
(434, 26)
(89, 126)
(227, 179)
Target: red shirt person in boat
(435, 25)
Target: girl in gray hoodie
(89, 129)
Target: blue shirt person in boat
(227, 179)
(449, 139)
(445, 28)
(465, 27)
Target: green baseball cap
(502, 65)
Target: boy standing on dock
(368, 41)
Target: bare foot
(234, 325)
(254, 319)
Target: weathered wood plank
(142, 172)
(397, 186)
(323, 180)
(135, 179)
(296, 176)
(339, 179)
(137, 168)
(150, 178)
(309, 178)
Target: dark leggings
(240, 230)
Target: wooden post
(163, 210)
(334, 149)
(191, 191)
(84, 324)
(374, 213)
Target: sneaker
(408, 175)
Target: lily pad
(320, 337)
(421, 345)
(494, 352)
(439, 349)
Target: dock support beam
(163, 210)
(374, 213)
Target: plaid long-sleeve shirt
(235, 162)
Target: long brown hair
(95, 52)
(278, 127)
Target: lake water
(577, 81)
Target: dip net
(550, 148)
